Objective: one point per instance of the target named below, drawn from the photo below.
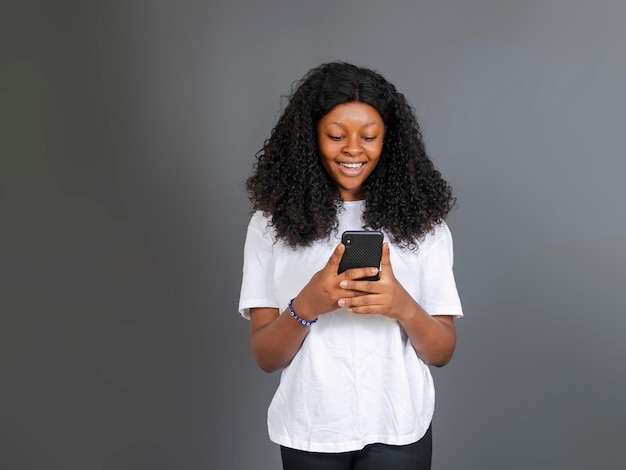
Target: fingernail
(341, 303)
(343, 284)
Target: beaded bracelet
(293, 314)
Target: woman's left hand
(432, 337)
(384, 297)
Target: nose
(352, 147)
(352, 151)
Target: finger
(359, 273)
(385, 261)
(366, 286)
(364, 310)
(361, 304)
(335, 258)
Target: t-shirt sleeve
(257, 284)
(439, 294)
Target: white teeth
(351, 165)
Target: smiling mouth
(351, 165)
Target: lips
(351, 169)
(351, 165)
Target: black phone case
(363, 249)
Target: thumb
(385, 262)
(335, 258)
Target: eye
(336, 138)
(368, 139)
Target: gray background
(126, 132)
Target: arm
(432, 337)
(276, 338)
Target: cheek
(327, 163)
(375, 151)
(327, 151)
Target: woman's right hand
(322, 292)
(276, 338)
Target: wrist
(302, 320)
(409, 313)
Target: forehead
(352, 113)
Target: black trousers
(416, 456)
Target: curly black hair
(405, 195)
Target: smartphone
(364, 249)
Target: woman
(355, 390)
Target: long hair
(405, 194)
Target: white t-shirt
(356, 379)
